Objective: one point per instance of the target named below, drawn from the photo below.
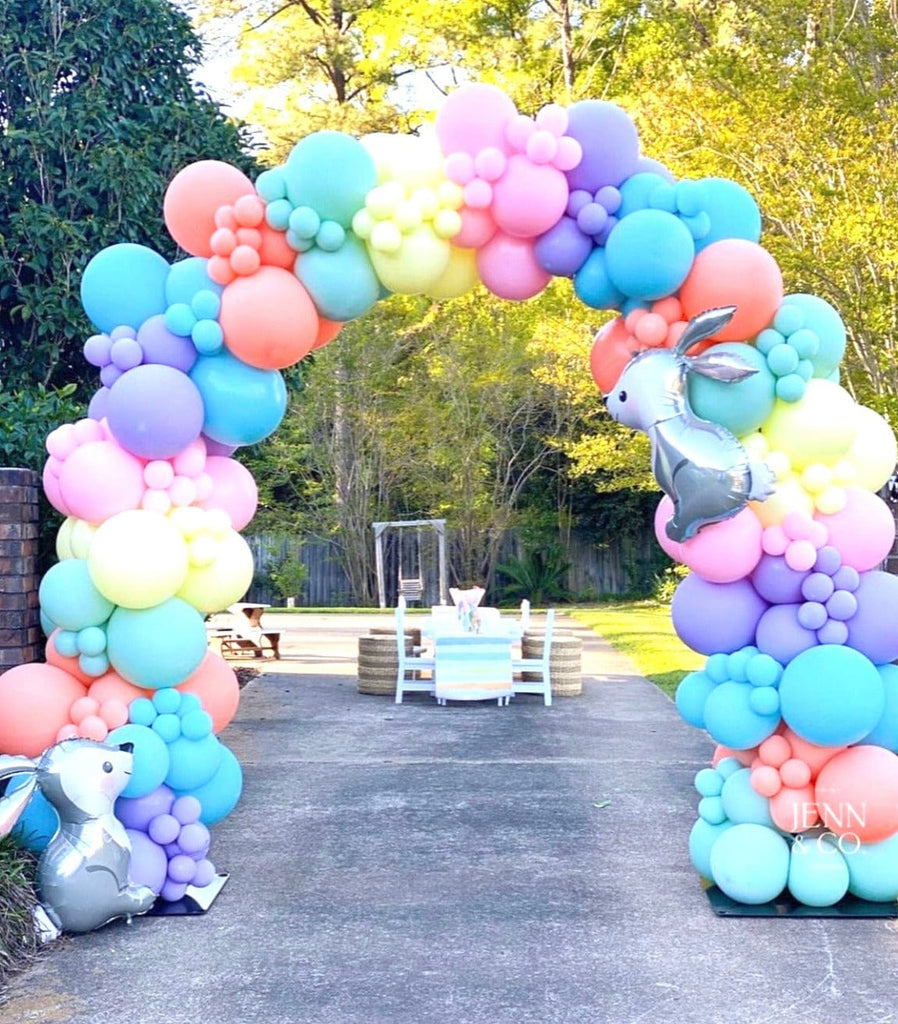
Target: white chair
(410, 664)
(537, 665)
(525, 615)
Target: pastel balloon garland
(783, 597)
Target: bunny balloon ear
(702, 326)
(12, 805)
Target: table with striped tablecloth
(471, 666)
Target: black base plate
(785, 905)
(194, 901)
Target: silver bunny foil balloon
(700, 465)
(82, 875)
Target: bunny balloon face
(700, 465)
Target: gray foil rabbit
(82, 875)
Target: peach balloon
(111, 687)
(275, 251)
(216, 685)
(857, 793)
(269, 320)
(612, 349)
(34, 705)
(813, 755)
(193, 197)
(734, 272)
(327, 331)
(794, 810)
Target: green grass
(643, 631)
(18, 940)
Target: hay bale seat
(565, 661)
(378, 661)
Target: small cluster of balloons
(784, 594)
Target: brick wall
(20, 632)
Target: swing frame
(439, 528)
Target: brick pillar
(20, 632)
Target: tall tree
(98, 111)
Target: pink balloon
(725, 551)
(477, 228)
(50, 481)
(474, 117)
(529, 198)
(663, 513)
(508, 267)
(863, 531)
(100, 479)
(233, 489)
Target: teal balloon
(732, 212)
(649, 254)
(636, 192)
(39, 821)
(332, 172)
(831, 695)
(818, 873)
(193, 762)
(159, 646)
(742, 804)
(342, 283)
(885, 732)
(219, 796)
(242, 404)
(750, 863)
(124, 285)
(151, 760)
(731, 720)
(823, 319)
(873, 870)
(741, 406)
(188, 277)
(69, 598)
(691, 695)
(701, 841)
(593, 285)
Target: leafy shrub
(539, 575)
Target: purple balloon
(214, 447)
(873, 629)
(161, 346)
(609, 141)
(647, 165)
(137, 812)
(149, 865)
(776, 582)
(563, 249)
(99, 405)
(716, 618)
(781, 635)
(155, 411)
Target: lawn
(643, 631)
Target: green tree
(97, 112)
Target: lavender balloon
(161, 346)
(609, 141)
(716, 617)
(563, 249)
(155, 411)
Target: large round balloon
(194, 196)
(716, 617)
(750, 863)
(819, 428)
(34, 705)
(857, 793)
(212, 586)
(818, 872)
(156, 647)
(863, 531)
(99, 479)
(154, 411)
(216, 685)
(609, 141)
(648, 254)
(873, 871)
(123, 285)
(234, 490)
(873, 629)
(242, 404)
(70, 598)
(741, 406)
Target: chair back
(525, 614)
(547, 639)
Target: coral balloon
(34, 705)
(612, 349)
(269, 320)
(734, 272)
(193, 197)
(216, 685)
(849, 804)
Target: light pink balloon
(663, 513)
(726, 551)
(508, 268)
(50, 481)
(477, 228)
(529, 198)
(473, 118)
(100, 479)
(863, 531)
(233, 489)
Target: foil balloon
(82, 875)
(700, 465)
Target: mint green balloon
(69, 598)
(818, 872)
(156, 647)
(740, 406)
(332, 172)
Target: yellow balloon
(874, 451)
(74, 538)
(415, 266)
(819, 428)
(224, 580)
(789, 496)
(459, 277)
(138, 559)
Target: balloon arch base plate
(786, 906)
(194, 901)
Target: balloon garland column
(770, 469)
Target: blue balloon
(159, 646)
(593, 285)
(69, 598)
(750, 863)
(39, 821)
(873, 870)
(731, 720)
(885, 732)
(692, 693)
(732, 211)
(818, 873)
(742, 804)
(220, 794)
(649, 254)
(831, 695)
(701, 841)
(186, 278)
(332, 173)
(151, 759)
(193, 762)
(123, 285)
(342, 284)
(819, 316)
(740, 406)
(242, 404)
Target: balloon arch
(770, 470)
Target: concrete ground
(467, 864)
